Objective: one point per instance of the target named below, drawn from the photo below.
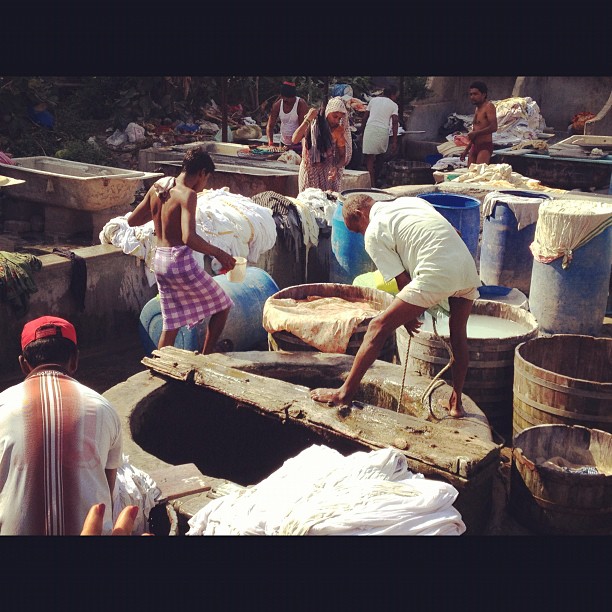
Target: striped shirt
(57, 438)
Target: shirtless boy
(187, 293)
(480, 147)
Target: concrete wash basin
(239, 416)
(74, 185)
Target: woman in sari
(326, 146)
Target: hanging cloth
(78, 276)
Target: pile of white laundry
(226, 220)
(321, 492)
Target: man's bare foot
(454, 407)
(331, 397)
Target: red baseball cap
(45, 327)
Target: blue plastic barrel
(243, 330)
(505, 258)
(348, 255)
(573, 301)
(462, 212)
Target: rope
(436, 382)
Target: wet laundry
(16, 280)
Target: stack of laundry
(322, 492)
(226, 220)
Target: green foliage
(77, 150)
(88, 106)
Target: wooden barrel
(563, 379)
(286, 341)
(491, 361)
(561, 480)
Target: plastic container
(505, 258)
(238, 274)
(243, 330)
(348, 257)
(573, 300)
(462, 212)
(375, 280)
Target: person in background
(326, 146)
(188, 294)
(60, 441)
(480, 147)
(291, 110)
(381, 111)
(409, 240)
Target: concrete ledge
(117, 290)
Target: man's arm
(142, 213)
(394, 128)
(111, 477)
(194, 241)
(311, 115)
(366, 116)
(302, 109)
(272, 119)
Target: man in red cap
(60, 442)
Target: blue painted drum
(243, 330)
(348, 257)
(462, 212)
(505, 258)
(573, 300)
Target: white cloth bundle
(321, 492)
(565, 225)
(133, 487)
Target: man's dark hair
(53, 349)
(390, 90)
(480, 86)
(198, 159)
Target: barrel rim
(522, 338)
(560, 426)
(520, 359)
(475, 202)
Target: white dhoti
(375, 140)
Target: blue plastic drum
(462, 212)
(505, 258)
(349, 258)
(573, 300)
(243, 330)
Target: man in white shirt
(381, 110)
(409, 240)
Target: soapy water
(478, 327)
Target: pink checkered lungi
(188, 294)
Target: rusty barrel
(286, 341)
(561, 480)
(491, 361)
(563, 379)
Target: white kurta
(409, 234)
